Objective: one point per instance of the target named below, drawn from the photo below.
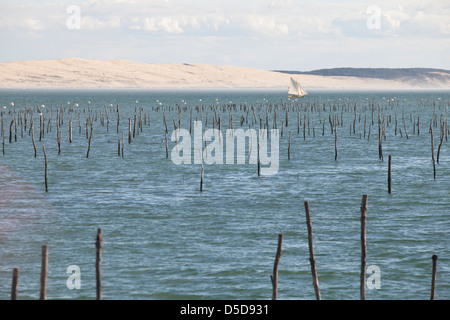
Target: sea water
(164, 239)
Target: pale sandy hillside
(87, 73)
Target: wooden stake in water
(442, 135)
(201, 178)
(10, 130)
(15, 284)
(363, 247)
(432, 152)
(380, 144)
(167, 146)
(259, 161)
(89, 143)
(312, 258)
(274, 276)
(123, 142)
(45, 171)
(129, 130)
(59, 140)
(118, 121)
(389, 174)
(70, 131)
(433, 277)
(32, 137)
(98, 263)
(44, 270)
(335, 144)
(289, 147)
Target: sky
(264, 34)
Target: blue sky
(265, 34)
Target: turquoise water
(164, 239)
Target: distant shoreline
(80, 74)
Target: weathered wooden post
(10, 130)
(389, 174)
(98, 263)
(335, 143)
(32, 138)
(380, 144)
(45, 171)
(274, 276)
(363, 247)
(167, 146)
(259, 160)
(312, 258)
(44, 271)
(89, 142)
(289, 147)
(432, 152)
(201, 178)
(442, 135)
(15, 284)
(129, 130)
(433, 277)
(70, 131)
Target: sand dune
(87, 73)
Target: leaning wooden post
(32, 138)
(433, 277)
(98, 263)
(389, 174)
(45, 171)
(89, 143)
(167, 146)
(363, 247)
(274, 276)
(442, 135)
(312, 258)
(44, 270)
(15, 284)
(432, 152)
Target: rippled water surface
(164, 239)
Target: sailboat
(295, 90)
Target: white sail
(295, 89)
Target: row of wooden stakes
(273, 277)
(312, 259)
(44, 271)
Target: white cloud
(313, 32)
(165, 24)
(93, 23)
(33, 24)
(266, 25)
